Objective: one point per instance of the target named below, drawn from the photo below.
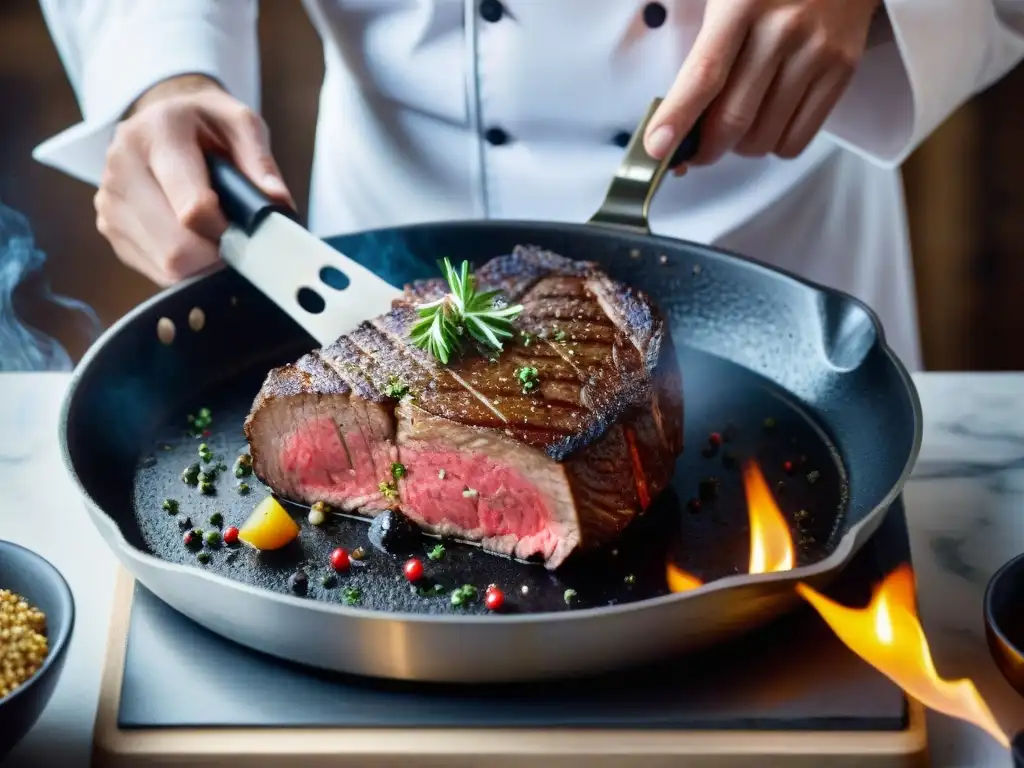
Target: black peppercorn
(298, 582)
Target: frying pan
(788, 373)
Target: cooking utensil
(752, 340)
(27, 574)
(276, 254)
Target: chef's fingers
(703, 75)
(246, 137)
(733, 112)
(136, 217)
(784, 96)
(177, 163)
(817, 105)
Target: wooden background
(965, 199)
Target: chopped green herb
(464, 594)
(203, 448)
(801, 515)
(170, 506)
(242, 488)
(559, 335)
(203, 557)
(527, 338)
(440, 474)
(812, 477)
(396, 388)
(397, 470)
(470, 493)
(197, 424)
(630, 580)
(388, 489)
(569, 595)
(431, 591)
(207, 476)
(212, 538)
(351, 596)
(437, 553)
(190, 475)
(216, 519)
(528, 378)
(243, 465)
(206, 488)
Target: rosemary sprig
(445, 324)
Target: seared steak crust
(606, 415)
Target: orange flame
(888, 635)
(771, 544)
(679, 580)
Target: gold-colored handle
(628, 200)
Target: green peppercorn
(212, 538)
(217, 519)
(206, 488)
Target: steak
(540, 474)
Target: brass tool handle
(628, 200)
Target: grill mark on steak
(566, 465)
(483, 400)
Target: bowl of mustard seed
(37, 614)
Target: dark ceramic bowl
(1004, 620)
(29, 575)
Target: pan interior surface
(700, 523)
(754, 346)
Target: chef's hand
(765, 74)
(154, 203)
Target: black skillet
(794, 375)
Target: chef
(520, 109)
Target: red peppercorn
(207, 433)
(715, 439)
(340, 560)
(494, 598)
(231, 535)
(787, 467)
(188, 538)
(413, 569)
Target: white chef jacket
(453, 109)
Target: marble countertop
(965, 509)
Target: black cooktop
(792, 675)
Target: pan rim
(836, 558)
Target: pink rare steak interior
(554, 444)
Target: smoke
(23, 348)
